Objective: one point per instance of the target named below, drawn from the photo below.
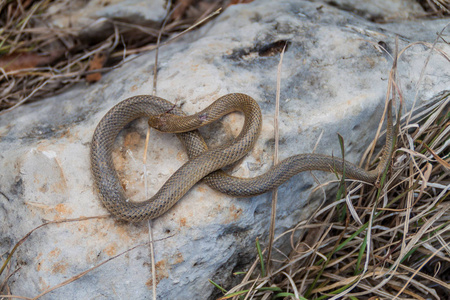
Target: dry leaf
(96, 63)
(19, 61)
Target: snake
(204, 163)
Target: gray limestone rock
(380, 10)
(79, 14)
(97, 19)
(334, 79)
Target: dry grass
(397, 246)
(38, 59)
(390, 241)
(387, 241)
(436, 7)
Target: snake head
(163, 122)
(167, 122)
(158, 122)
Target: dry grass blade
(275, 160)
(439, 7)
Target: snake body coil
(203, 161)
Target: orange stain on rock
(201, 189)
(59, 186)
(178, 258)
(91, 256)
(111, 249)
(161, 273)
(257, 154)
(121, 231)
(162, 268)
(234, 119)
(235, 213)
(60, 267)
(43, 189)
(132, 140)
(183, 222)
(54, 253)
(63, 209)
(181, 156)
(43, 284)
(84, 228)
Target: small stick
(275, 162)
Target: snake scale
(203, 163)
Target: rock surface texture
(334, 79)
(82, 14)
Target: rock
(79, 14)
(334, 79)
(380, 11)
(98, 19)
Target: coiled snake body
(203, 163)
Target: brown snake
(164, 116)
